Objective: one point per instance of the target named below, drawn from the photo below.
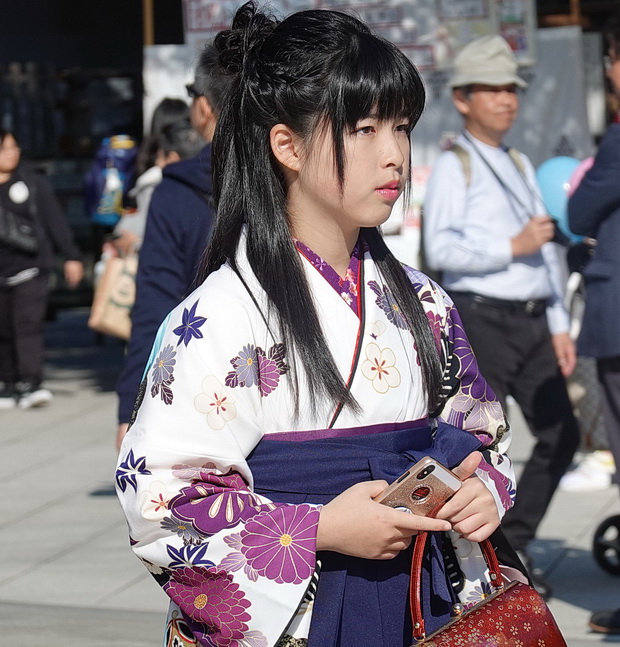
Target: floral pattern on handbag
(514, 615)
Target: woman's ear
(286, 147)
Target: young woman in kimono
(310, 368)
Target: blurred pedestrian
(175, 142)
(32, 228)
(168, 111)
(178, 226)
(492, 240)
(594, 211)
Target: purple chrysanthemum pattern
(183, 528)
(211, 598)
(387, 303)
(281, 545)
(253, 366)
(190, 326)
(163, 377)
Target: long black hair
(314, 69)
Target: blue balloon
(553, 178)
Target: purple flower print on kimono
(184, 529)
(211, 598)
(506, 489)
(217, 502)
(280, 545)
(193, 473)
(475, 404)
(252, 366)
(190, 325)
(235, 561)
(387, 303)
(163, 374)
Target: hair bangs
(373, 78)
(378, 79)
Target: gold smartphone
(422, 488)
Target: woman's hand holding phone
(472, 510)
(354, 524)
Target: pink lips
(389, 191)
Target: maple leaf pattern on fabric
(190, 326)
(188, 556)
(129, 469)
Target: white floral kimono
(236, 565)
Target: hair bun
(250, 28)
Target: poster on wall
(430, 32)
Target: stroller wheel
(606, 545)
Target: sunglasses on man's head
(192, 93)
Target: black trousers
(516, 357)
(22, 313)
(608, 369)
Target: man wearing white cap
(487, 231)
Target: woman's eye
(365, 130)
(404, 128)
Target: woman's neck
(5, 177)
(334, 247)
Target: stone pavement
(67, 575)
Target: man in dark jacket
(177, 230)
(594, 211)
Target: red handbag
(514, 615)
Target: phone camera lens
(426, 471)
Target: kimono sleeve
(468, 402)
(235, 564)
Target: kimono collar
(347, 286)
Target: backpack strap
(464, 159)
(517, 160)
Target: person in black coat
(27, 198)
(594, 211)
(177, 230)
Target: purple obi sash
(362, 602)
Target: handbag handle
(415, 598)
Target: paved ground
(67, 575)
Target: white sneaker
(7, 402)
(593, 473)
(36, 398)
